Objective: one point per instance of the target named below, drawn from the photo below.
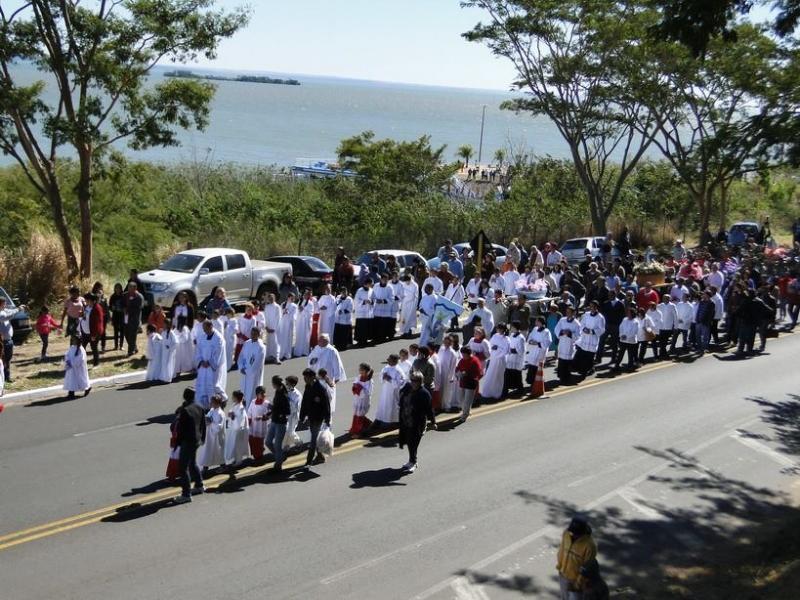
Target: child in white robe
(286, 328)
(153, 354)
(212, 454)
(257, 417)
(404, 363)
(446, 375)
(184, 357)
(392, 380)
(76, 371)
(237, 447)
(169, 352)
(362, 391)
(230, 335)
(295, 399)
(514, 360)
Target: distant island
(244, 78)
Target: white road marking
(465, 590)
(513, 547)
(409, 548)
(637, 501)
(104, 429)
(754, 444)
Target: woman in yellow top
(577, 548)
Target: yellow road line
(62, 525)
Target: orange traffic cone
(538, 382)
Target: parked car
(21, 322)
(739, 232)
(405, 259)
(308, 271)
(499, 250)
(574, 249)
(200, 270)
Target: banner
(443, 312)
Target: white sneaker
(406, 466)
(412, 467)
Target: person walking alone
(576, 550)
(316, 407)
(191, 433)
(281, 409)
(415, 409)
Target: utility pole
(480, 145)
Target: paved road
(664, 463)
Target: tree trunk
(85, 205)
(723, 206)
(596, 211)
(704, 210)
(60, 222)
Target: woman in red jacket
(469, 371)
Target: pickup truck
(198, 271)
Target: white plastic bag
(325, 441)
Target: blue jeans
(704, 336)
(275, 433)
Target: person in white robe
(408, 306)
(251, 366)
(397, 301)
(209, 360)
(455, 293)
(76, 370)
(479, 317)
(628, 339)
(197, 328)
(219, 323)
(648, 331)
(258, 420)
(593, 325)
(539, 340)
(362, 301)
(567, 330)
(383, 310)
(231, 333)
(343, 326)
(392, 380)
(237, 445)
(245, 324)
(169, 353)
(405, 364)
(326, 305)
(426, 307)
(492, 384)
(154, 347)
(683, 324)
(479, 346)
(435, 282)
(212, 453)
(184, 359)
(286, 327)
(272, 320)
(446, 383)
(510, 279)
(306, 309)
(325, 356)
(291, 438)
(362, 393)
(473, 290)
(514, 360)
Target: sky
(407, 41)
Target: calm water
(279, 124)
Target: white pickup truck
(200, 270)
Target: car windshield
(574, 245)
(181, 263)
(316, 264)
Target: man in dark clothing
(594, 588)
(703, 319)
(614, 312)
(316, 407)
(191, 433)
(415, 410)
(134, 302)
(750, 313)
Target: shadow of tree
(784, 417)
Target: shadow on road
(704, 535)
(380, 478)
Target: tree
(583, 64)
(99, 57)
(388, 169)
(466, 152)
(707, 129)
(500, 157)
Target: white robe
(629, 331)
(405, 367)
(212, 453)
(169, 352)
(328, 358)
(153, 357)
(480, 350)
(286, 330)
(446, 375)
(361, 400)
(326, 305)
(492, 382)
(473, 291)
(76, 371)
(237, 448)
(255, 418)
(592, 327)
(536, 348)
(383, 301)
(184, 358)
(392, 380)
(251, 368)
(426, 306)
(566, 344)
(211, 380)
(515, 361)
(397, 299)
(243, 328)
(291, 438)
(438, 284)
(272, 321)
(231, 334)
(408, 307)
(455, 293)
(302, 329)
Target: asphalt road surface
(663, 462)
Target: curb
(18, 398)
